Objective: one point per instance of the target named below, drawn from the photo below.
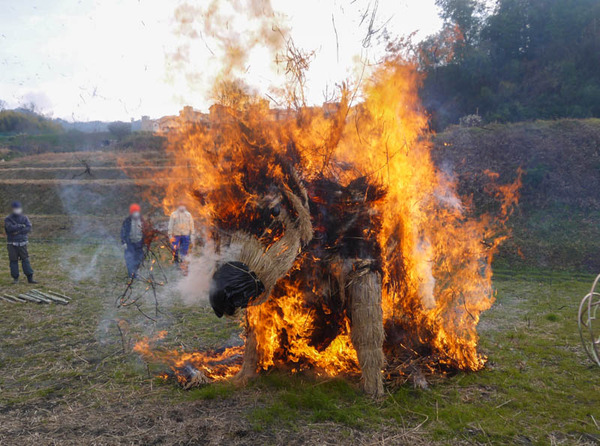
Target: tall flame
(435, 256)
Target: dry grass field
(68, 375)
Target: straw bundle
(272, 263)
(364, 294)
(250, 362)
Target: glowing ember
(215, 365)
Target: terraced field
(66, 202)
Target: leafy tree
(464, 15)
(526, 59)
(15, 121)
(119, 129)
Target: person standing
(18, 227)
(132, 239)
(181, 231)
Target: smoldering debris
(189, 377)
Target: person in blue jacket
(132, 239)
(18, 227)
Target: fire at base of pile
(338, 235)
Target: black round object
(233, 286)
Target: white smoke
(424, 253)
(445, 192)
(195, 287)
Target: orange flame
(436, 258)
(216, 365)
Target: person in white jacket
(181, 231)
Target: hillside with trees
(25, 121)
(520, 60)
(25, 132)
(556, 224)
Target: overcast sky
(108, 59)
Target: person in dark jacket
(132, 239)
(18, 227)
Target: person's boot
(30, 279)
(15, 280)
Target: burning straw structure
(349, 246)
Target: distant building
(218, 112)
(167, 123)
(149, 125)
(282, 114)
(189, 115)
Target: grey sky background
(91, 59)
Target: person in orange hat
(132, 239)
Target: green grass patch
(293, 400)
(538, 385)
(537, 388)
(213, 391)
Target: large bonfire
(328, 194)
